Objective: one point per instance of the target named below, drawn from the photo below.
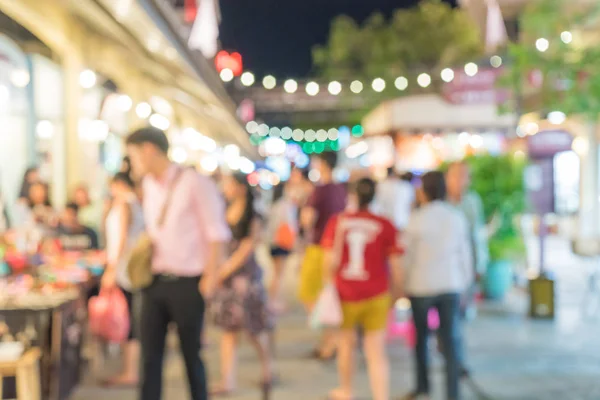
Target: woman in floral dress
(241, 303)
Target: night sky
(276, 36)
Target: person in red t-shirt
(364, 253)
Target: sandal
(221, 391)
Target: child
(361, 248)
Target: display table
(55, 324)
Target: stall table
(55, 324)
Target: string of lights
(378, 84)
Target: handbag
(285, 237)
(139, 266)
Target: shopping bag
(108, 315)
(327, 312)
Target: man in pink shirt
(188, 247)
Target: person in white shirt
(439, 270)
(282, 230)
(394, 200)
(124, 225)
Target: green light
(319, 147)
(255, 140)
(307, 147)
(357, 131)
(335, 146)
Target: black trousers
(177, 300)
(448, 306)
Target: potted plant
(498, 180)
(506, 248)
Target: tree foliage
(430, 36)
(568, 71)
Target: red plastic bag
(108, 315)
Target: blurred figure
(31, 176)
(438, 271)
(90, 213)
(394, 199)
(300, 189)
(363, 252)
(282, 232)
(124, 225)
(240, 305)
(4, 220)
(458, 179)
(35, 208)
(327, 199)
(125, 166)
(72, 234)
(188, 248)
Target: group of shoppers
(375, 242)
(381, 242)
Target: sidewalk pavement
(510, 356)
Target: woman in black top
(241, 303)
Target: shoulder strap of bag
(165, 208)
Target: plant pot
(498, 279)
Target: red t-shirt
(368, 241)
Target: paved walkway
(511, 356)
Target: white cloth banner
(496, 34)
(205, 32)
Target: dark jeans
(448, 306)
(167, 300)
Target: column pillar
(73, 65)
(589, 212)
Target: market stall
(43, 299)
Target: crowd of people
(416, 237)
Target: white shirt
(394, 200)
(113, 238)
(283, 211)
(438, 251)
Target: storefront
(430, 129)
(15, 104)
(71, 113)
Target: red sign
(232, 61)
(478, 89)
(190, 11)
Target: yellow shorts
(312, 275)
(371, 315)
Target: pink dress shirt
(195, 218)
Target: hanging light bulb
(424, 80)
(312, 88)
(335, 88)
(356, 87)
(290, 86)
(378, 85)
(247, 79)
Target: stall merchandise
(43, 299)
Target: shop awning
(134, 44)
(432, 112)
